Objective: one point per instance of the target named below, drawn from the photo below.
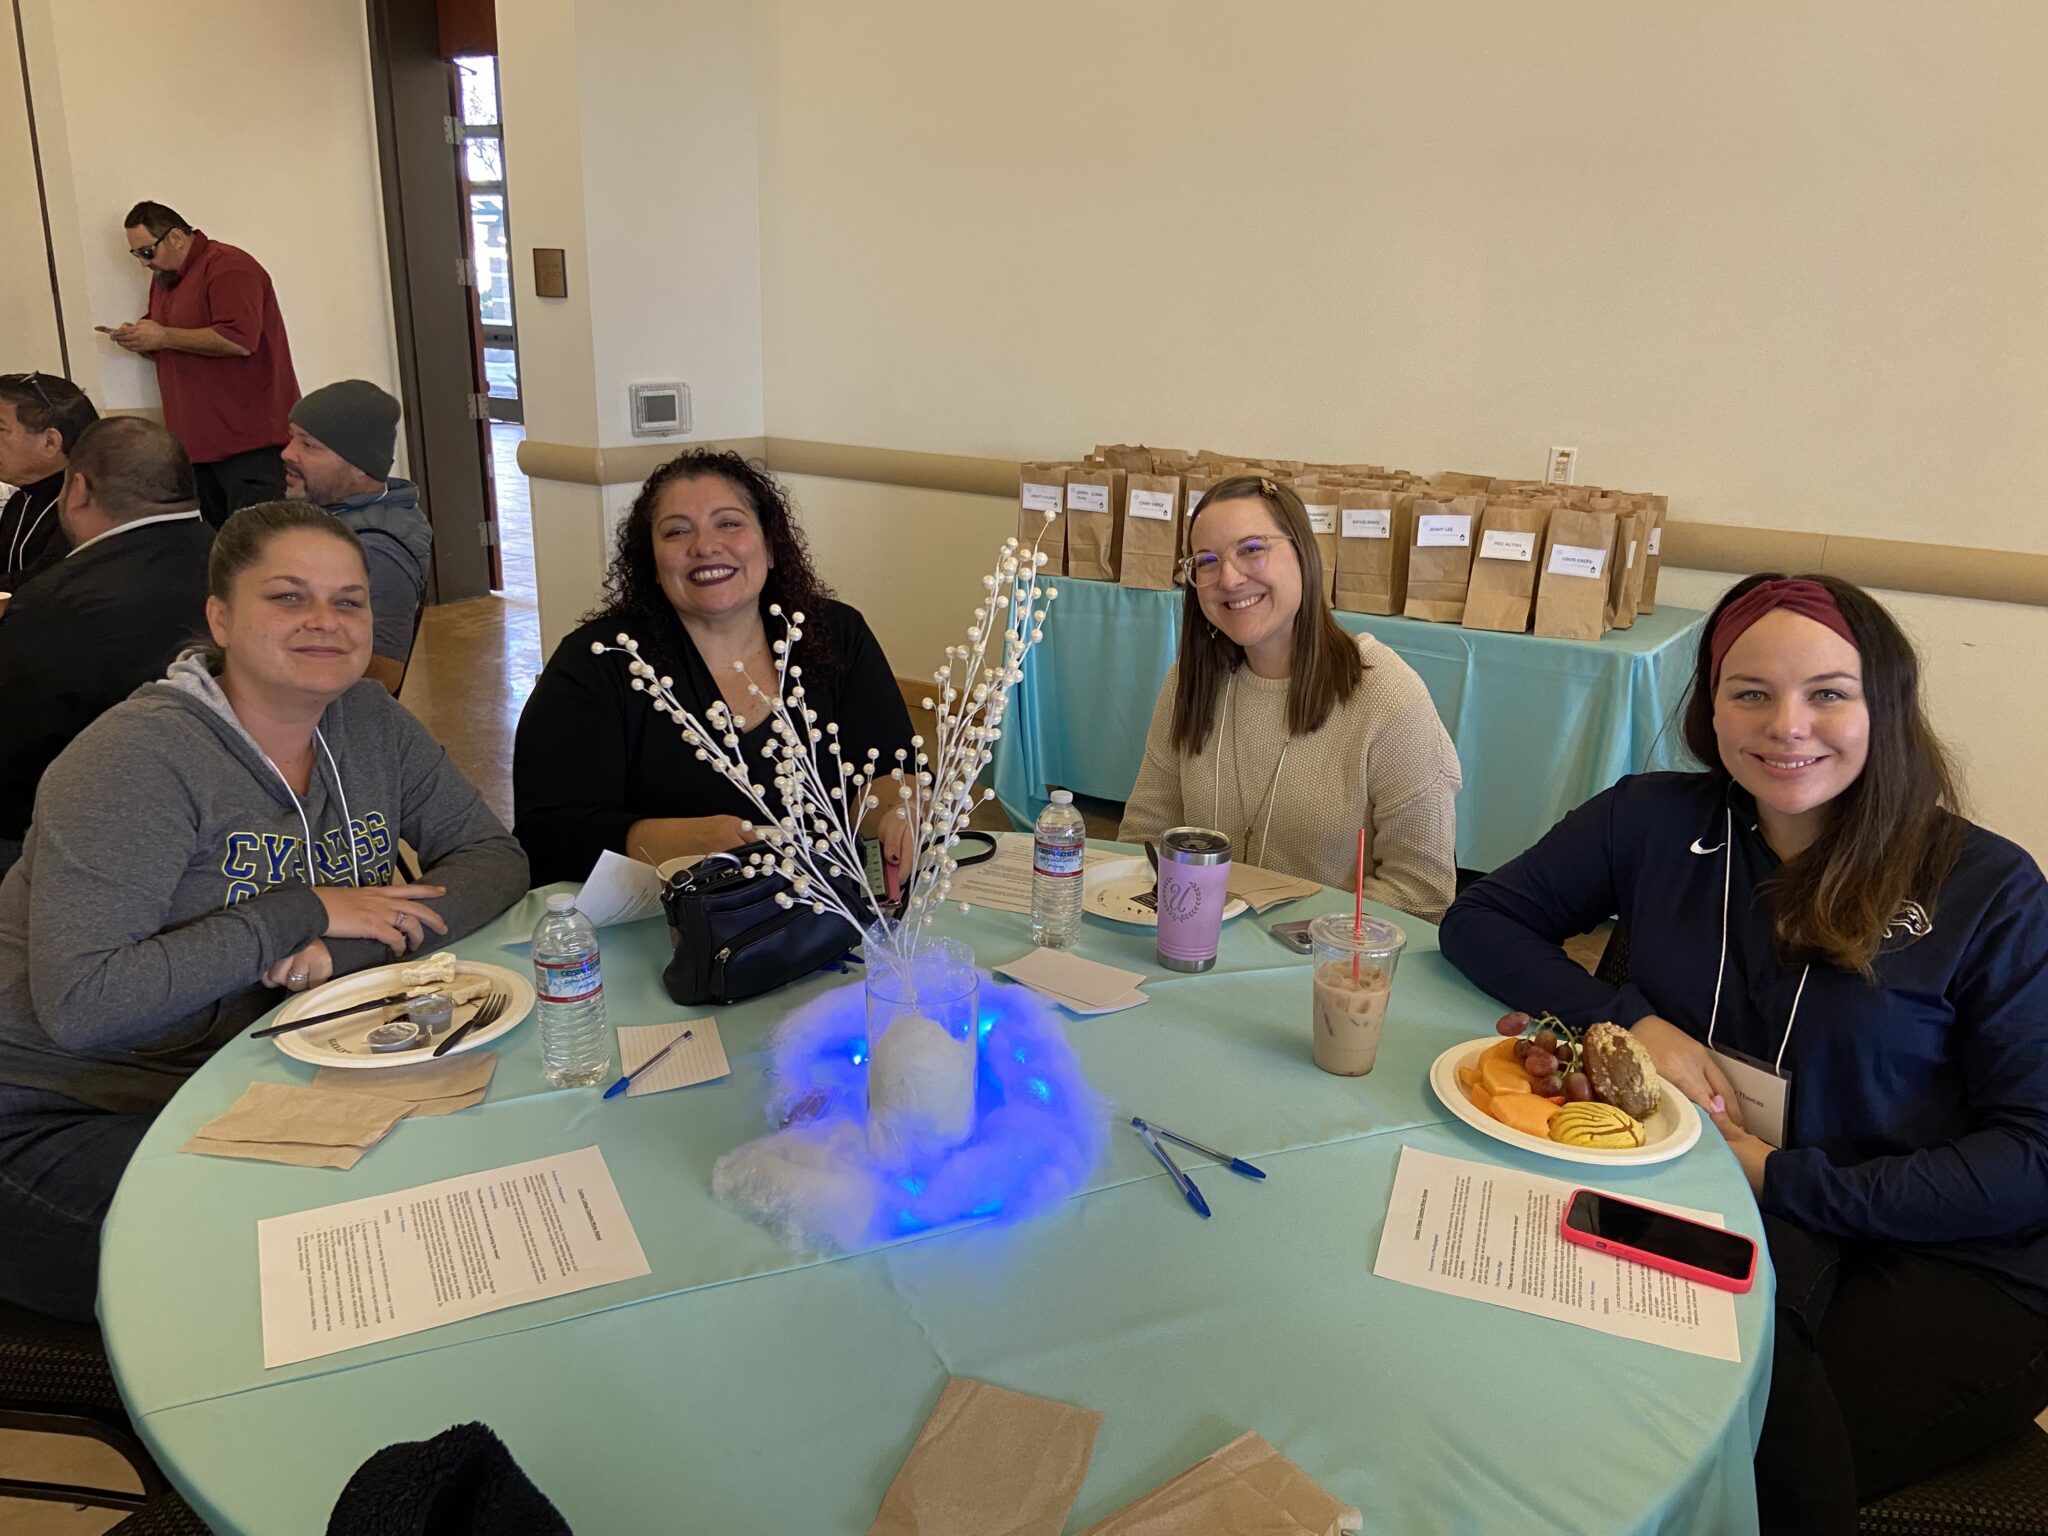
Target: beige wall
(1779, 261)
(28, 313)
(257, 126)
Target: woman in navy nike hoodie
(1823, 951)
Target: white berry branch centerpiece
(811, 797)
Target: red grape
(1539, 1062)
(1512, 1023)
(1522, 1050)
(1545, 1040)
(1578, 1087)
(1552, 1084)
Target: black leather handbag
(733, 941)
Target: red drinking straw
(1358, 907)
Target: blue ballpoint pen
(1235, 1164)
(627, 1081)
(1187, 1185)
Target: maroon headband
(1809, 599)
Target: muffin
(1621, 1070)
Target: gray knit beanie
(354, 418)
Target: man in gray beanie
(338, 456)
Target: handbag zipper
(723, 958)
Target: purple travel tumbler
(1194, 883)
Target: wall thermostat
(659, 409)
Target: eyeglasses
(1248, 555)
(148, 252)
(34, 380)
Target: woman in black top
(710, 544)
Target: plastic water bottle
(1057, 843)
(574, 1048)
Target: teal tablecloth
(743, 1387)
(1540, 725)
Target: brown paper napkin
(431, 1087)
(990, 1462)
(309, 1127)
(1264, 889)
(1245, 1489)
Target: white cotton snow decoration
(920, 1089)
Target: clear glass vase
(924, 1048)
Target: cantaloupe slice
(1500, 1050)
(1481, 1099)
(1504, 1077)
(1468, 1077)
(1526, 1112)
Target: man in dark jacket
(338, 456)
(41, 415)
(88, 631)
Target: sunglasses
(1248, 555)
(34, 380)
(148, 252)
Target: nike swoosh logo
(1696, 848)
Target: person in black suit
(84, 633)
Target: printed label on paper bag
(1577, 560)
(1368, 523)
(1496, 545)
(1443, 530)
(1156, 505)
(1631, 556)
(1040, 498)
(1087, 498)
(1656, 540)
(1321, 519)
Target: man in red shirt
(223, 365)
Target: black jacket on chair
(83, 634)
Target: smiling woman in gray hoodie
(224, 833)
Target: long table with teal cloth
(1540, 725)
(745, 1387)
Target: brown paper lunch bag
(1094, 492)
(1440, 557)
(1502, 593)
(1658, 508)
(1042, 488)
(1375, 527)
(1571, 588)
(1625, 577)
(1319, 499)
(1149, 532)
(1132, 459)
(1458, 482)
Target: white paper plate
(340, 1044)
(1111, 889)
(1670, 1131)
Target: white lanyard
(1763, 1094)
(26, 530)
(1216, 787)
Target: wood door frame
(425, 225)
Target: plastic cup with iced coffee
(1354, 977)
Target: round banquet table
(744, 1387)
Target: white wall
(255, 123)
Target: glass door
(482, 161)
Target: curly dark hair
(632, 587)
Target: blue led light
(1039, 1128)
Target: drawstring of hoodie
(355, 869)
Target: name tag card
(1323, 519)
(1087, 498)
(1156, 505)
(1631, 556)
(1443, 530)
(1040, 498)
(1496, 545)
(1368, 523)
(1656, 540)
(1577, 560)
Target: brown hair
(1893, 835)
(1327, 667)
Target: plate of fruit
(1583, 1096)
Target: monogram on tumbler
(1194, 883)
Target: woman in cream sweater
(1280, 730)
